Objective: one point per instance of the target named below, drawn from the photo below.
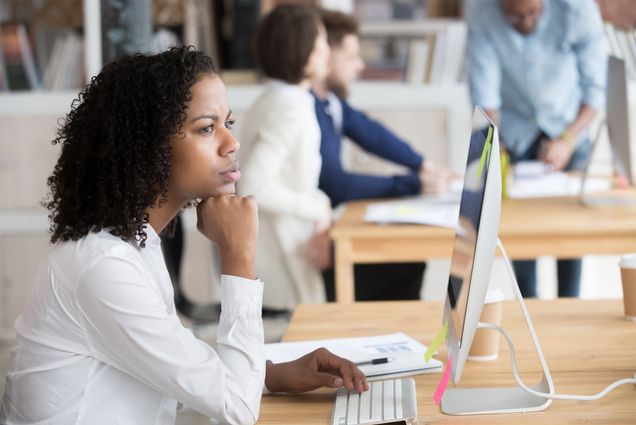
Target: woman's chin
(228, 189)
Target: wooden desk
(587, 344)
(559, 226)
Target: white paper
(554, 184)
(406, 352)
(435, 210)
(530, 169)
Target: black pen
(381, 360)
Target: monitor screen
(618, 119)
(470, 210)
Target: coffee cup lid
(628, 261)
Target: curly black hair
(115, 158)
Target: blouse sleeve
(128, 326)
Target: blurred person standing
(539, 67)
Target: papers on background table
(532, 179)
(407, 354)
(435, 210)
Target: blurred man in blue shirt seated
(338, 119)
(541, 67)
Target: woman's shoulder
(70, 260)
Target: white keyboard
(390, 401)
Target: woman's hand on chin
(231, 222)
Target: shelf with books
(429, 51)
(53, 45)
(59, 45)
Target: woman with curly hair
(99, 341)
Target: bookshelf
(428, 51)
(63, 58)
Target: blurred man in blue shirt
(541, 67)
(337, 119)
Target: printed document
(405, 353)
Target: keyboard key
(340, 408)
(383, 401)
(365, 406)
(399, 411)
(389, 410)
(352, 409)
(376, 401)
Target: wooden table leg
(345, 289)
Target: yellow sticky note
(485, 153)
(439, 338)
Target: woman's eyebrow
(209, 116)
(213, 117)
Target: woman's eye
(230, 124)
(208, 129)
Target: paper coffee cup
(627, 264)
(485, 346)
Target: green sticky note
(406, 210)
(485, 154)
(439, 338)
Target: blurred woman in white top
(281, 158)
(99, 341)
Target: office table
(560, 226)
(587, 344)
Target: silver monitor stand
(476, 401)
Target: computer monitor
(618, 119)
(471, 264)
(475, 240)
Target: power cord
(513, 361)
(515, 372)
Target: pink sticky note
(622, 181)
(441, 387)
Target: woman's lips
(231, 175)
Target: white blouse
(100, 343)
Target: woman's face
(317, 67)
(203, 161)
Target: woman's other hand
(320, 368)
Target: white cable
(513, 361)
(515, 372)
